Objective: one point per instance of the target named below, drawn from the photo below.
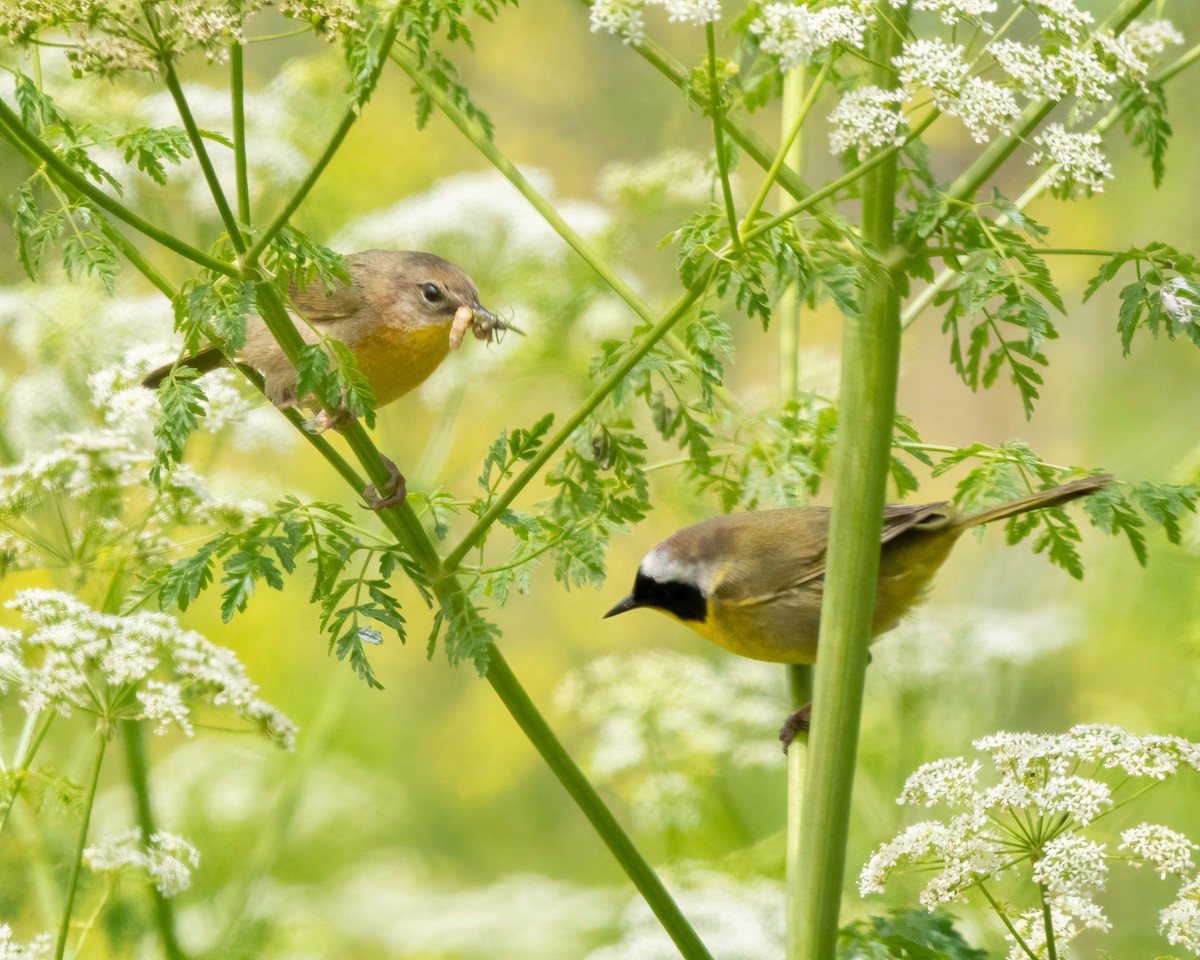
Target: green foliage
(213, 309)
(1145, 113)
(1163, 297)
(1013, 470)
(149, 147)
(293, 258)
(181, 405)
(905, 935)
(354, 606)
(468, 633)
(1002, 289)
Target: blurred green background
(417, 822)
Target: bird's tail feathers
(201, 362)
(1041, 500)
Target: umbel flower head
(142, 666)
(1047, 792)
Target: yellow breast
(394, 359)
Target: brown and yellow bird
(401, 315)
(753, 582)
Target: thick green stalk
(866, 412)
(331, 149)
(30, 145)
(237, 94)
(787, 322)
(138, 770)
(89, 801)
(714, 107)
(517, 701)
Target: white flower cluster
(866, 119)
(1069, 61)
(42, 947)
(795, 33)
(110, 36)
(167, 859)
(657, 704)
(624, 18)
(75, 658)
(1049, 788)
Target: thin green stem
(886, 155)
(1048, 924)
(139, 262)
(335, 142)
(681, 308)
(89, 801)
(714, 107)
(193, 130)
(749, 142)
(237, 94)
(138, 770)
(501, 677)
(31, 146)
(866, 414)
(795, 115)
(1017, 938)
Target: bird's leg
(796, 723)
(389, 494)
(333, 419)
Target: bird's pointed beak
(624, 606)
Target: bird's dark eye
(432, 293)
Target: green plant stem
(32, 146)
(794, 114)
(886, 155)
(138, 769)
(866, 412)
(1048, 924)
(715, 111)
(796, 104)
(89, 801)
(139, 262)
(656, 333)
(193, 130)
(339, 135)
(749, 142)
(1017, 938)
(521, 708)
(237, 94)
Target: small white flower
(951, 11)
(951, 780)
(1148, 39)
(866, 119)
(1179, 922)
(1035, 73)
(170, 861)
(40, 948)
(1072, 866)
(622, 18)
(933, 64)
(984, 106)
(1063, 17)
(795, 33)
(1078, 164)
(695, 12)
(1080, 798)
(163, 704)
(1168, 850)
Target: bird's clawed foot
(389, 494)
(334, 419)
(796, 723)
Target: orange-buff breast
(395, 359)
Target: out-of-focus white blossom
(1169, 851)
(624, 18)
(952, 11)
(40, 948)
(167, 860)
(1179, 300)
